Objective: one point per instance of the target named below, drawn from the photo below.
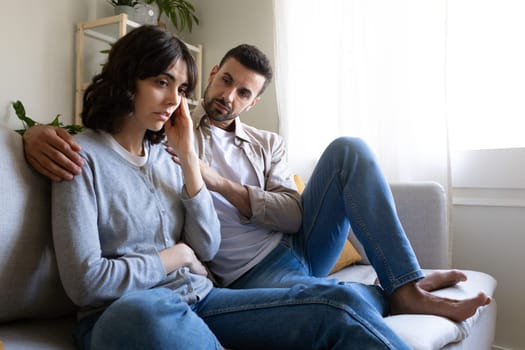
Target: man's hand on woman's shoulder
(53, 152)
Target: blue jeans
(301, 317)
(346, 188)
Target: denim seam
(402, 280)
(365, 232)
(314, 218)
(307, 301)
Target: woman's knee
(144, 305)
(153, 319)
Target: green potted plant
(124, 6)
(181, 13)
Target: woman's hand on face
(182, 255)
(179, 130)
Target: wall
(488, 225)
(37, 55)
(37, 60)
(490, 239)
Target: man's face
(232, 89)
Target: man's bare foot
(441, 279)
(412, 299)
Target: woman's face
(158, 97)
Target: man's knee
(349, 145)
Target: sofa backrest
(29, 282)
(423, 211)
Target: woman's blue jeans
(301, 317)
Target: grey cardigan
(110, 223)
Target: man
(271, 235)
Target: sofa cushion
(29, 283)
(56, 334)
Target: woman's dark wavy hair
(142, 53)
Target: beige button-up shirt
(275, 203)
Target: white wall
(491, 239)
(37, 59)
(488, 224)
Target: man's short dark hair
(252, 58)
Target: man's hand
(211, 178)
(53, 152)
(234, 192)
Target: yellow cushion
(349, 255)
(299, 183)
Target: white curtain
(372, 69)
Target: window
(486, 74)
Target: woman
(131, 231)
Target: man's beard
(213, 114)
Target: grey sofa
(35, 313)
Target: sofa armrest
(423, 210)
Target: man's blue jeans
(301, 317)
(346, 188)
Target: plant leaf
(181, 13)
(55, 121)
(21, 114)
(19, 108)
(74, 129)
